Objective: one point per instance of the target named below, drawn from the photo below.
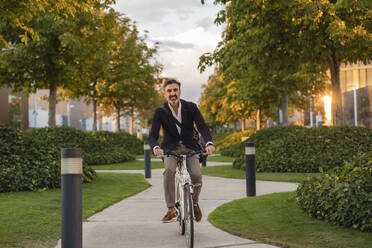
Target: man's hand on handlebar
(209, 150)
(158, 152)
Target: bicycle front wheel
(180, 209)
(189, 217)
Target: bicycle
(184, 190)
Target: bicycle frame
(182, 178)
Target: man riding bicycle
(179, 140)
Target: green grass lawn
(131, 165)
(277, 219)
(220, 159)
(229, 172)
(33, 219)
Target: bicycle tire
(180, 217)
(189, 217)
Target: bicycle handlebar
(169, 153)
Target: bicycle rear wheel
(189, 217)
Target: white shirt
(178, 116)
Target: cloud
(206, 23)
(175, 44)
(184, 30)
(199, 37)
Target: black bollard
(71, 180)
(250, 169)
(147, 150)
(204, 161)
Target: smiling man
(179, 139)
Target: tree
(16, 16)
(212, 104)
(49, 61)
(99, 39)
(259, 57)
(334, 32)
(132, 85)
(322, 34)
(42, 64)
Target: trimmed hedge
(123, 140)
(223, 141)
(343, 196)
(26, 164)
(30, 160)
(98, 148)
(300, 149)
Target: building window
(15, 110)
(362, 78)
(369, 76)
(64, 120)
(342, 81)
(349, 80)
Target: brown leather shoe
(170, 216)
(197, 212)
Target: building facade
(32, 112)
(13, 109)
(356, 87)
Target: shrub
(299, 149)
(224, 141)
(343, 196)
(99, 148)
(260, 138)
(26, 164)
(122, 140)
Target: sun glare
(327, 106)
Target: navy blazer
(190, 115)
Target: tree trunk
(258, 119)
(131, 124)
(337, 113)
(285, 108)
(243, 124)
(117, 119)
(234, 126)
(94, 115)
(52, 105)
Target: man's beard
(173, 99)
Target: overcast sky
(185, 30)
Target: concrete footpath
(135, 221)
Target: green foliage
(287, 46)
(15, 16)
(258, 58)
(221, 142)
(343, 196)
(101, 148)
(96, 54)
(299, 149)
(26, 164)
(123, 140)
(31, 160)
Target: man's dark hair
(171, 81)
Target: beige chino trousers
(193, 167)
